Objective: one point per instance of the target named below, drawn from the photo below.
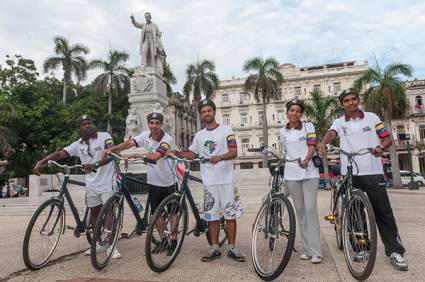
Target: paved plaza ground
(71, 264)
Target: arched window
(419, 101)
(401, 130)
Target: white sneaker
(99, 249)
(115, 253)
(305, 257)
(316, 259)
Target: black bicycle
(273, 231)
(170, 220)
(47, 225)
(354, 221)
(110, 219)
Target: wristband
(221, 157)
(96, 164)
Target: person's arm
(384, 137)
(311, 143)
(124, 145)
(56, 156)
(136, 24)
(231, 154)
(186, 154)
(329, 136)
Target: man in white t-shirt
(217, 143)
(358, 130)
(100, 172)
(160, 178)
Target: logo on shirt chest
(210, 146)
(367, 128)
(302, 138)
(344, 130)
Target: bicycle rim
(273, 237)
(359, 236)
(166, 233)
(43, 234)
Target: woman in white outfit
(299, 141)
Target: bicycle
(172, 215)
(48, 222)
(275, 220)
(110, 219)
(354, 221)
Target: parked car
(405, 178)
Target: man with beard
(100, 172)
(217, 143)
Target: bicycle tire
(102, 220)
(60, 219)
(223, 233)
(338, 223)
(89, 229)
(372, 235)
(289, 246)
(150, 236)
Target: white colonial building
(238, 108)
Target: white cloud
(229, 32)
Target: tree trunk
(65, 89)
(393, 154)
(265, 134)
(108, 126)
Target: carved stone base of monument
(135, 166)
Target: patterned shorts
(220, 200)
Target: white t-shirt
(214, 142)
(357, 134)
(159, 174)
(104, 178)
(294, 143)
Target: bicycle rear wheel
(169, 223)
(222, 237)
(105, 234)
(273, 237)
(359, 235)
(89, 228)
(43, 234)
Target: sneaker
(398, 262)
(161, 246)
(171, 248)
(360, 256)
(305, 257)
(235, 255)
(99, 249)
(316, 259)
(212, 255)
(115, 253)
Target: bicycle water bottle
(138, 205)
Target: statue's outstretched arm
(136, 24)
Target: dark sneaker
(161, 246)
(212, 255)
(234, 254)
(171, 248)
(398, 262)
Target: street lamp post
(412, 184)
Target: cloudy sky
(308, 32)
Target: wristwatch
(221, 158)
(381, 147)
(96, 164)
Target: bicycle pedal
(362, 241)
(330, 217)
(69, 227)
(125, 236)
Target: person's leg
(94, 203)
(296, 191)
(212, 216)
(310, 189)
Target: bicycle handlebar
(353, 154)
(64, 166)
(199, 159)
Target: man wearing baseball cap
(160, 178)
(358, 130)
(99, 177)
(217, 142)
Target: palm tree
(169, 77)
(114, 80)
(386, 96)
(7, 137)
(321, 111)
(264, 83)
(72, 60)
(201, 79)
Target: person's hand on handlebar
(37, 170)
(378, 151)
(215, 159)
(88, 168)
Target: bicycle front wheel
(169, 224)
(359, 235)
(273, 237)
(43, 234)
(105, 234)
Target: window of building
(419, 101)
(316, 87)
(279, 143)
(280, 116)
(279, 94)
(337, 87)
(329, 89)
(244, 118)
(401, 130)
(261, 141)
(226, 119)
(244, 96)
(305, 91)
(297, 90)
(422, 132)
(260, 117)
(244, 144)
(225, 97)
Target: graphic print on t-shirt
(209, 147)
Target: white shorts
(221, 200)
(95, 198)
